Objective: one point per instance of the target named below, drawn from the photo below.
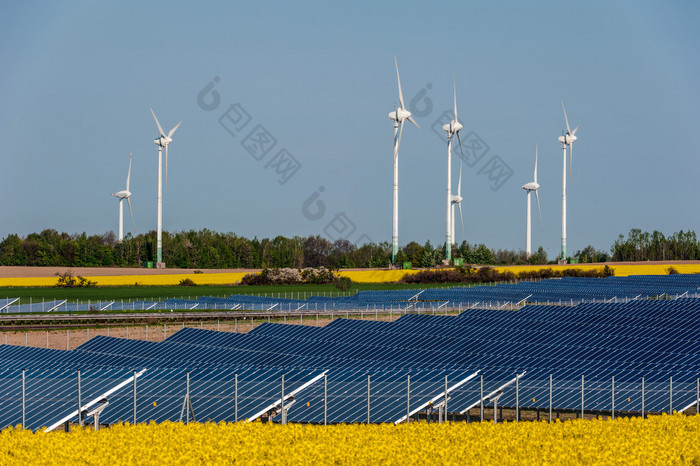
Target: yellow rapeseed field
(657, 440)
(359, 276)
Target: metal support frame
(439, 401)
(325, 399)
(235, 397)
(287, 400)
(496, 393)
(103, 396)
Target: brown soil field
(70, 339)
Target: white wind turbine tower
(457, 200)
(566, 140)
(398, 116)
(530, 187)
(452, 128)
(121, 195)
(162, 142)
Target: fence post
(87, 334)
(517, 397)
(408, 398)
(146, 332)
(284, 418)
(24, 422)
(550, 397)
(612, 389)
(325, 399)
(187, 407)
(235, 397)
(47, 338)
(80, 403)
(134, 397)
(582, 399)
(164, 333)
(444, 405)
(26, 338)
(368, 398)
(481, 398)
(642, 397)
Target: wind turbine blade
(459, 139)
(574, 132)
(398, 78)
(128, 201)
(398, 142)
(128, 175)
(537, 196)
(172, 131)
(454, 86)
(568, 130)
(413, 121)
(160, 128)
(166, 167)
(535, 163)
(461, 218)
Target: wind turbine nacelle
(122, 194)
(392, 116)
(402, 114)
(456, 199)
(562, 139)
(570, 138)
(531, 186)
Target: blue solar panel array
(566, 290)
(409, 361)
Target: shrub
(67, 280)
(672, 270)
(187, 282)
(467, 274)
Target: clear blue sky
(78, 78)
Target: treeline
(639, 246)
(206, 249)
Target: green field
(164, 292)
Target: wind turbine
(530, 187)
(162, 142)
(566, 139)
(452, 128)
(398, 116)
(121, 195)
